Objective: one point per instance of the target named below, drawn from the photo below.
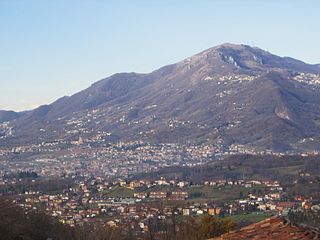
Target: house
(134, 184)
(162, 181)
(186, 211)
(182, 184)
(122, 183)
(283, 206)
(140, 195)
(111, 224)
(179, 195)
(200, 212)
(211, 211)
(158, 195)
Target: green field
(118, 192)
(254, 217)
(246, 219)
(291, 170)
(220, 193)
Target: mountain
(230, 96)
(8, 116)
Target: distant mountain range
(229, 95)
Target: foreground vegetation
(17, 223)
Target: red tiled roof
(275, 228)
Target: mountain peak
(232, 46)
(230, 56)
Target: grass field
(291, 170)
(254, 217)
(119, 192)
(220, 193)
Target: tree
(16, 223)
(213, 226)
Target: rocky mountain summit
(235, 96)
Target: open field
(246, 219)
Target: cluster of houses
(88, 158)
(308, 78)
(88, 201)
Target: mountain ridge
(217, 96)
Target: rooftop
(271, 228)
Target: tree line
(17, 223)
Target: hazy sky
(52, 48)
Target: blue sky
(49, 49)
